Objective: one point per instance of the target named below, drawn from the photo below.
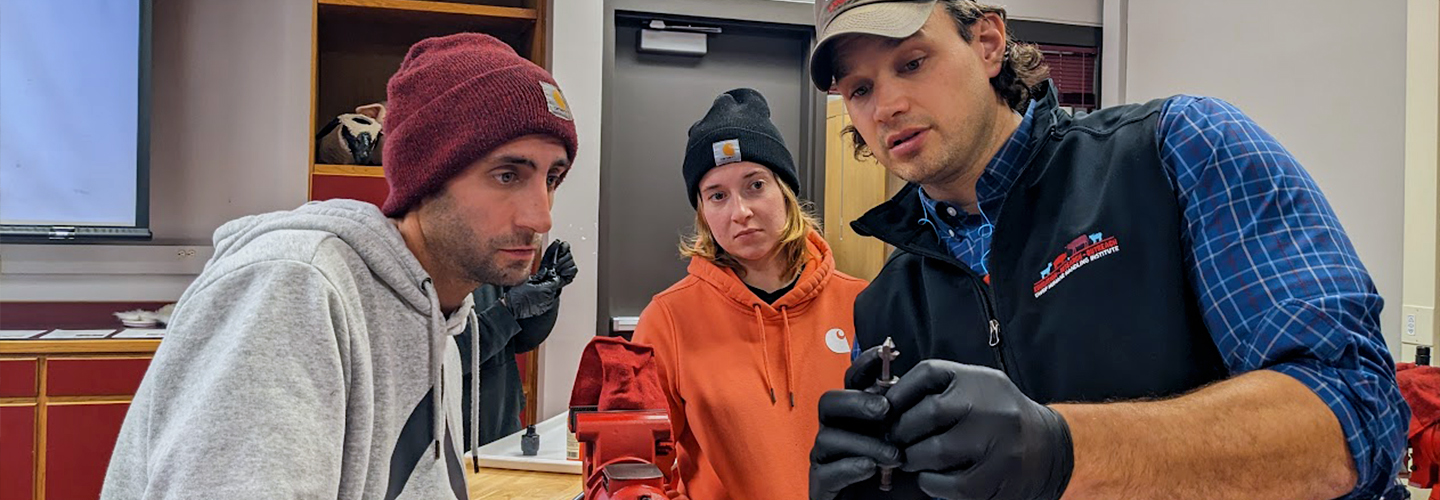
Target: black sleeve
(535, 330)
(497, 327)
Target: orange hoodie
(731, 365)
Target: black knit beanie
(737, 128)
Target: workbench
(503, 484)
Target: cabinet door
(79, 438)
(18, 377)
(94, 376)
(17, 452)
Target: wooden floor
(502, 484)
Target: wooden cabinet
(852, 187)
(62, 403)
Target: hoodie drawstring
(764, 357)
(437, 384)
(474, 390)
(789, 371)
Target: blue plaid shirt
(1279, 284)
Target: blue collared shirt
(1279, 283)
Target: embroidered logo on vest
(1083, 250)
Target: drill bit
(887, 379)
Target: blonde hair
(799, 221)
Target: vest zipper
(992, 319)
(986, 292)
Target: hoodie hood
(819, 267)
(377, 240)
(360, 225)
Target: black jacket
(1090, 300)
(502, 336)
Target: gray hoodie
(301, 363)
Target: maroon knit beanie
(455, 99)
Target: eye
(716, 196)
(859, 91)
(757, 185)
(913, 65)
(552, 181)
(507, 177)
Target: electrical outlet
(1417, 325)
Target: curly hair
(1022, 71)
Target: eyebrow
(521, 160)
(517, 160)
(753, 173)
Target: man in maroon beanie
(314, 355)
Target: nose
(890, 102)
(533, 208)
(742, 212)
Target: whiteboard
(70, 112)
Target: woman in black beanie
(761, 327)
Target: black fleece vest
(1089, 297)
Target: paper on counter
(504, 453)
(140, 333)
(77, 334)
(19, 334)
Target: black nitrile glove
(558, 258)
(850, 443)
(541, 292)
(970, 433)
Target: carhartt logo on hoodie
(837, 342)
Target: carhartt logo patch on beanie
(453, 101)
(727, 151)
(737, 118)
(556, 101)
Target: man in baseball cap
(1170, 309)
(893, 19)
(315, 355)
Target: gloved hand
(849, 445)
(558, 259)
(970, 433)
(541, 292)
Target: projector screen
(74, 115)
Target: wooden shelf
(348, 170)
(440, 7)
(360, 43)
